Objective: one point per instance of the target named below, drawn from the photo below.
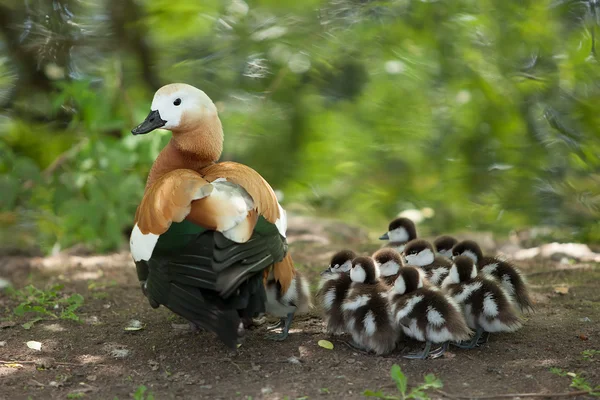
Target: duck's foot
(286, 322)
(437, 353)
(485, 337)
(279, 325)
(472, 343)
(421, 355)
(353, 345)
(194, 327)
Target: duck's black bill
(153, 121)
(385, 236)
(327, 271)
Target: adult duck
(207, 235)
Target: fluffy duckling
(486, 305)
(366, 309)
(420, 253)
(426, 314)
(296, 300)
(503, 271)
(333, 288)
(400, 232)
(389, 262)
(444, 244)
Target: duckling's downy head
(444, 244)
(340, 262)
(419, 253)
(409, 280)
(388, 260)
(364, 270)
(400, 230)
(177, 107)
(468, 248)
(462, 270)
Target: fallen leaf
(326, 344)
(238, 345)
(134, 325)
(561, 289)
(45, 363)
(13, 365)
(119, 353)
(32, 344)
(572, 374)
(3, 343)
(583, 337)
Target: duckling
(389, 262)
(486, 305)
(366, 309)
(444, 244)
(426, 314)
(503, 271)
(296, 300)
(420, 253)
(333, 288)
(400, 232)
(206, 233)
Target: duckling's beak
(327, 271)
(385, 236)
(152, 122)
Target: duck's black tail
(213, 281)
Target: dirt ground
(97, 359)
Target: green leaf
(27, 325)
(432, 382)
(326, 344)
(400, 379)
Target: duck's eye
(177, 102)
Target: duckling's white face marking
(398, 235)
(424, 257)
(177, 100)
(400, 285)
(490, 307)
(389, 268)
(140, 245)
(474, 272)
(358, 274)
(345, 267)
(446, 253)
(470, 254)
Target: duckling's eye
(177, 102)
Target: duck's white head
(177, 107)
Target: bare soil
(174, 362)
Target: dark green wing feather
(208, 279)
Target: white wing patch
(434, 317)
(359, 301)
(369, 323)
(408, 307)
(489, 269)
(140, 245)
(490, 307)
(452, 277)
(437, 275)
(467, 291)
(281, 222)
(328, 299)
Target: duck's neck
(189, 149)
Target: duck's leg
(483, 339)
(278, 325)
(422, 355)
(472, 343)
(356, 346)
(286, 322)
(439, 351)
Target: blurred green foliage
(485, 111)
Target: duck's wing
(213, 281)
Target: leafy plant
(578, 382)
(45, 303)
(75, 395)
(143, 393)
(588, 355)
(418, 392)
